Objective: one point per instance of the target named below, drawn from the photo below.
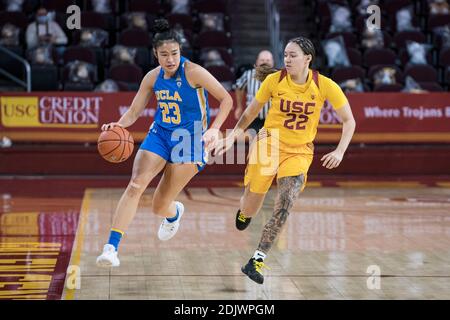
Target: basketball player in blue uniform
(177, 141)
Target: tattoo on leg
(288, 189)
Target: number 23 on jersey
(170, 112)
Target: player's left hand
(332, 160)
(210, 138)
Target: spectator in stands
(81, 72)
(44, 31)
(404, 19)
(417, 52)
(211, 57)
(372, 38)
(41, 55)
(101, 6)
(340, 18)
(211, 22)
(93, 37)
(9, 35)
(352, 85)
(180, 6)
(443, 34)
(362, 7)
(411, 86)
(385, 76)
(336, 53)
(137, 20)
(247, 83)
(123, 55)
(439, 7)
(108, 85)
(13, 5)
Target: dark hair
(306, 45)
(262, 71)
(163, 32)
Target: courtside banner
(77, 117)
(73, 116)
(392, 117)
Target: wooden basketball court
(332, 242)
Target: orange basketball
(115, 145)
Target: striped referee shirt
(248, 81)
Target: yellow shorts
(269, 157)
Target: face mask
(42, 19)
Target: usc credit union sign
(50, 111)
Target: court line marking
(380, 184)
(76, 250)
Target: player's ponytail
(263, 71)
(163, 32)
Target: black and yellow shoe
(242, 221)
(253, 270)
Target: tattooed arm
(288, 189)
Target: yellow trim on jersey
(202, 102)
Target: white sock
(259, 255)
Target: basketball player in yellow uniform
(284, 146)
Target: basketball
(115, 145)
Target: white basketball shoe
(168, 229)
(108, 258)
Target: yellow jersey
(295, 109)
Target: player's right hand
(111, 125)
(223, 145)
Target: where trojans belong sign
(77, 117)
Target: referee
(250, 85)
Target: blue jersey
(182, 116)
(179, 104)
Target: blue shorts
(176, 146)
